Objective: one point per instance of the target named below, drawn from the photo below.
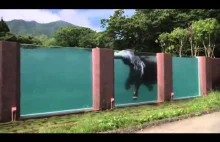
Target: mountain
(32, 27)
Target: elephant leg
(128, 83)
(136, 90)
(129, 80)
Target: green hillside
(32, 27)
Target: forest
(181, 32)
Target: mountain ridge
(20, 27)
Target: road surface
(209, 123)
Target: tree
(42, 38)
(173, 42)
(115, 31)
(3, 26)
(205, 33)
(75, 37)
(7, 37)
(104, 41)
(67, 36)
(88, 41)
(141, 30)
(201, 33)
(164, 42)
(28, 39)
(50, 42)
(127, 32)
(179, 39)
(5, 34)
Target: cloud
(42, 16)
(80, 17)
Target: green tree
(88, 41)
(206, 33)
(75, 37)
(67, 37)
(104, 41)
(3, 26)
(121, 30)
(141, 30)
(5, 34)
(7, 37)
(202, 33)
(50, 42)
(42, 38)
(28, 39)
(165, 43)
(179, 39)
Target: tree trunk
(213, 56)
(191, 44)
(181, 46)
(205, 49)
(209, 48)
(195, 50)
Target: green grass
(113, 119)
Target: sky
(81, 17)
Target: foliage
(50, 42)
(201, 33)
(75, 37)
(28, 39)
(5, 34)
(87, 41)
(173, 42)
(8, 36)
(102, 40)
(205, 33)
(42, 38)
(3, 26)
(142, 30)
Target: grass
(113, 119)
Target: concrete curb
(159, 122)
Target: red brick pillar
(103, 78)
(205, 75)
(9, 79)
(164, 77)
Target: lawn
(113, 119)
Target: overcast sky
(87, 18)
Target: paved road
(209, 123)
